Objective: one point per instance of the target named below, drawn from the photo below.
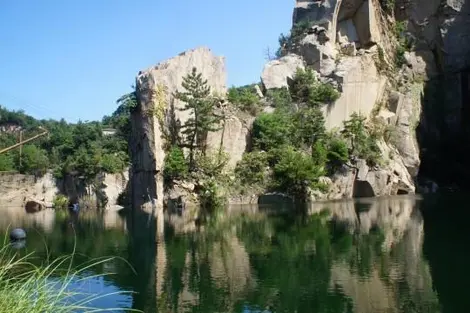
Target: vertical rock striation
(159, 114)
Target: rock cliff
(383, 57)
(349, 46)
(16, 189)
(159, 112)
(441, 54)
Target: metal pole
(22, 143)
(21, 146)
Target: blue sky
(73, 59)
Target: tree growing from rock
(197, 96)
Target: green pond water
(399, 254)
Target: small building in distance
(109, 131)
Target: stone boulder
(319, 56)
(341, 185)
(422, 64)
(34, 206)
(392, 179)
(277, 72)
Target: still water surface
(396, 254)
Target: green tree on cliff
(197, 96)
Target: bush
(114, 163)
(211, 179)
(309, 126)
(362, 143)
(337, 155)
(400, 56)
(175, 165)
(60, 202)
(296, 172)
(306, 89)
(245, 98)
(301, 85)
(388, 5)
(251, 170)
(279, 98)
(271, 130)
(34, 160)
(6, 162)
(322, 93)
(330, 153)
(403, 43)
(320, 153)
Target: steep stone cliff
(158, 112)
(388, 74)
(441, 53)
(16, 189)
(349, 45)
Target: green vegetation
(60, 202)
(404, 44)
(25, 287)
(363, 144)
(201, 104)
(68, 149)
(291, 147)
(245, 98)
(279, 98)
(252, 172)
(202, 167)
(307, 90)
(388, 5)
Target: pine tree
(197, 96)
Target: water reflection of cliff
(16, 216)
(398, 278)
(342, 257)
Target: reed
(29, 288)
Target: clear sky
(73, 59)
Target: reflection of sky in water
(248, 309)
(105, 294)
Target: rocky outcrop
(330, 48)
(277, 72)
(159, 112)
(440, 28)
(343, 46)
(17, 190)
(354, 19)
(361, 181)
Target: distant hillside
(83, 149)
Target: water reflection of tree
(291, 261)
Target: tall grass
(29, 288)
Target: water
(398, 254)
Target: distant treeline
(69, 148)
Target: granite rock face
(440, 27)
(155, 88)
(277, 72)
